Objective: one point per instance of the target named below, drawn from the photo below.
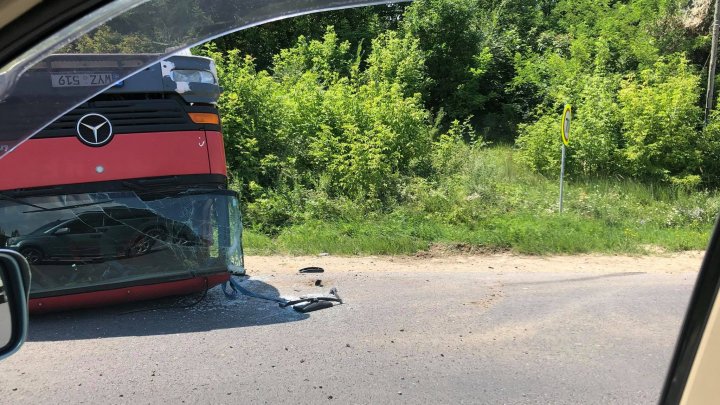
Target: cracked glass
(78, 242)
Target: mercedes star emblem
(94, 129)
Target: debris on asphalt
(311, 269)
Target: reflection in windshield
(112, 239)
(138, 38)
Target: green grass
(258, 244)
(567, 235)
(494, 204)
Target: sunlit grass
(497, 205)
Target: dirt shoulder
(500, 263)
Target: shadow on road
(164, 316)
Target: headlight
(193, 76)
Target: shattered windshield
(75, 242)
(138, 34)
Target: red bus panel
(65, 160)
(216, 153)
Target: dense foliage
(321, 124)
(365, 112)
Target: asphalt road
(413, 334)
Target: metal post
(562, 174)
(713, 62)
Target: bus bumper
(125, 295)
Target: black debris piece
(311, 269)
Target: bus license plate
(82, 79)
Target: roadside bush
(328, 59)
(252, 115)
(643, 127)
(318, 126)
(399, 60)
(660, 121)
(595, 133)
(539, 144)
(374, 136)
(594, 136)
(709, 144)
(450, 153)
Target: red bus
(125, 197)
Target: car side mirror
(62, 231)
(14, 295)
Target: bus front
(125, 197)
